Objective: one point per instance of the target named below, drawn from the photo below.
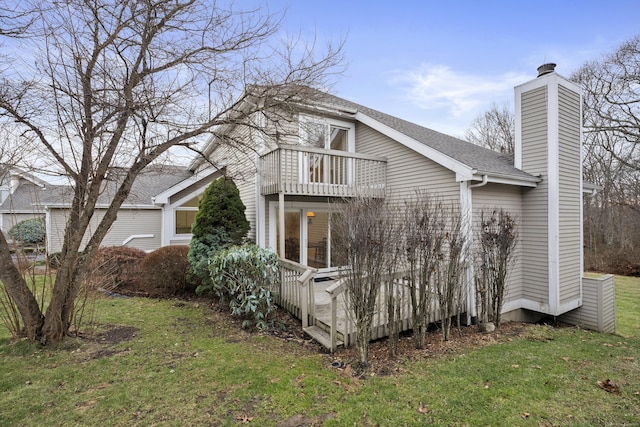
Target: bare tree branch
(119, 84)
(495, 129)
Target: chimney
(548, 145)
(546, 69)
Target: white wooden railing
(296, 290)
(299, 170)
(380, 322)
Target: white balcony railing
(298, 170)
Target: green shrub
(115, 268)
(245, 276)
(29, 231)
(221, 208)
(163, 272)
(219, 224)
(201, 251)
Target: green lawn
(627, 306)
(184, 365)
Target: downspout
(468, 214)
(485, 178)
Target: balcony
(298, 170)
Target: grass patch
(152, 362)
(627, 306)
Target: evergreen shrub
(246, 276)
(29, 231)
(219, 224)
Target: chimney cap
(546, 69)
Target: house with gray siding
(323, 149)
(158, 212)
(331, 149)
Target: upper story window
(328, 134)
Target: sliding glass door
(306, 236)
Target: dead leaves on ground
(244, 419)
(609, 386)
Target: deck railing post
(304, 306)
(304, 284)
(334, 323)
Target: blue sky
(441, 63)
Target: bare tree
(611, 90)
(14, 21)
(497, 238)
(424, 234)
(119, 84)
(450, 283)
(364, 232)
(494, 129)
(611, 117)
(396, 295)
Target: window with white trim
(326, 134)
(185, 215)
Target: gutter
(485, 179)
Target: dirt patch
(117, 334)
(288, 328)
(302, 420)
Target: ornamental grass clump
(246, 276)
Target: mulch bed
(380, 363)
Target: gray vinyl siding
(509, 198)
(535, 210)
(240, 161)
(570, 195)
(598, 310)
(289, 129)
(129, 222)
(407, 171)
(190, 190)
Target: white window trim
(328, 122)
(181, 209)
(304, 207)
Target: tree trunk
(60, 310)
(18, 291)
(363, 336)
(393, 316)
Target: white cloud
(438, 87)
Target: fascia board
(163, 198)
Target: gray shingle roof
(29, 197)
(485, 161)
(152, 181)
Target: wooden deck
(323, 311)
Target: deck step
(322, 336)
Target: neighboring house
(18, 192)
(158, 212)
(333, 148)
